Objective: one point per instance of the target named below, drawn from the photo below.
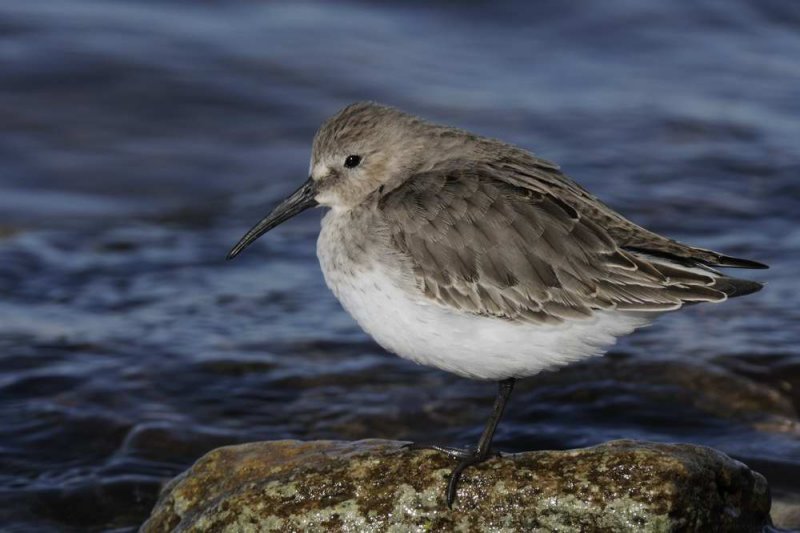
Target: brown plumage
(485, 238)
(491, 229)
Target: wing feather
(497, 247)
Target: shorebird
(479, 258)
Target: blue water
(138, 140)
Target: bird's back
(511, 236)
(548, 178)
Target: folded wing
(482, 244)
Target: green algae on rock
(376, 485)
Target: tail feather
(690, 256)
(693, 282)
(726, 261)
(735, 287)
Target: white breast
(407, 324)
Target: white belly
(472, 346)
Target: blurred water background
(139, 139)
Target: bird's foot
(475, 457)
(468, 457)
(455, 453)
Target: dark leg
(484, 449)
(471, 457)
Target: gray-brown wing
(522, 169)
(484, 246)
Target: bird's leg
(477, 455)
(484, 449)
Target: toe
(457, 453)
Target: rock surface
(379, 486)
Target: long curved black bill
(299, 201)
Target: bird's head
(362, 148)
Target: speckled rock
(379, 486)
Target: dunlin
(479, 258)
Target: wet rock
(377, 485)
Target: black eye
(352, 161)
